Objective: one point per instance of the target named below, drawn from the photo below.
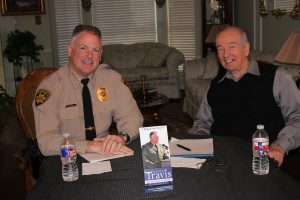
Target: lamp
(213, 32)
(290, 52)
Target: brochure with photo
(156, 158)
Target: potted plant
(19, 44)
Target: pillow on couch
(263, 56)
(211, 66)
(155, 57)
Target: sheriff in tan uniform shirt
(62, 109)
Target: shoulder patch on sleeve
(41, 96)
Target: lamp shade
(215, 29)
(290, 52)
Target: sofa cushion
(120, 56)
(152, 73)
(211, 67)
(262, 56)
(155, 57)
(115, 55)
(135, 53)
(197, 88)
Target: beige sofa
(198, 74)
(158, 62)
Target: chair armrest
(23, 158)
(194, 68)
(174, 59)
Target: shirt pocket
(71, 112)
(72, 121)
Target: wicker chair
(24, 97)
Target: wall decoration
(86, 4)
(22, 7)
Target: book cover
(156, 158)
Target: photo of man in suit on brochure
(154, 152)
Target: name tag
(70, 105)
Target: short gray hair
(88, 28)
(244, 37)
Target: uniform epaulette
(104, 66)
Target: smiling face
(85, 53)
(233, 50)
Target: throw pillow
(155, 57)
(211, 67)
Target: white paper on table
(195, 163)
(198, 147)
(95, 157)
(96, 168)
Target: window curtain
(120, 21)
(182, 28)
(67, 16)
(125, 21)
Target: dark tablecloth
(227, 176)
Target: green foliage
(7, 107)
(21, 44)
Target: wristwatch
(125, 134)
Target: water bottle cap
(260, 126)
(66, 134)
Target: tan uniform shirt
(63, 110)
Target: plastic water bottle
(68, 159)
(260, 147)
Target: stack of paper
(195, 163)
(95, 157)
(96, 168)
(191, 147)
(96, 164)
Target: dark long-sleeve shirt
(286, 95)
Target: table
(233, 180)
(150, 108)
(153, 102)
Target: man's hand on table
(276, 153)
(110, 144)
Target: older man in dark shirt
(246, 93)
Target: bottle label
(261, 144)
(66, 152)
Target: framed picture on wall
(22, 7)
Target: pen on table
(183, 147)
